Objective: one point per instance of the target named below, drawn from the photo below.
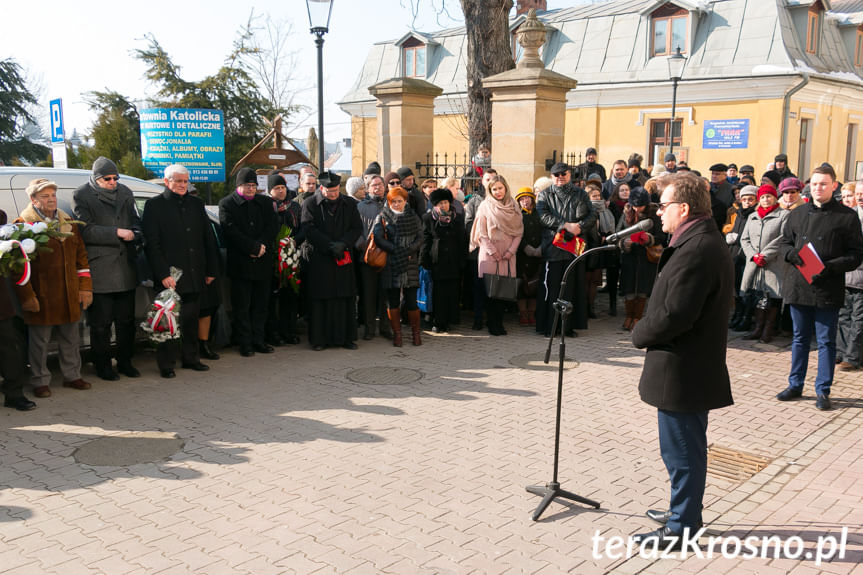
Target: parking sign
(57, 132)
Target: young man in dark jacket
(685, 333)
(834, 233)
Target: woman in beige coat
(497, 232)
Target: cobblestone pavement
(290, 463)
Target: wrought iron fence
(574, 160)
(449, 166)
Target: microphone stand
(562, 308)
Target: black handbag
(504, 288)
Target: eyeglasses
(111, 178)
(664, 206)
(179, 181)
(394, 182)
(560, 175)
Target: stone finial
(531, 35)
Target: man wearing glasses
(111, 234)
(563, 207)
(179, 234)
(685, 333)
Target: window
(669, 25)
(858, 48)
(659, 132)
(414, 58)
(813, 27)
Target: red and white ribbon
(168, 313)
(25, 275)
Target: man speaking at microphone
(685, 334)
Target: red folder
(812, 264)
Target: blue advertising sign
(194, 138)
(57, 131)
(725, 134)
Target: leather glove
(640, 238)
(731, 238)
(85, 298)
(819, 277)
(31, 305)
(759, 260)
(337, 249)
(794, 258)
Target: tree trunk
(489, 52)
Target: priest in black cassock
(332, 225)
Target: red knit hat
(765, 189)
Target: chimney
(523, 6)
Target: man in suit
(250, 227)
(178, 234)
(685, 333)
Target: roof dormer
(814, 25)
(671, 25)
(415, 49)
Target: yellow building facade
(760, 78)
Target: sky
(69, 48)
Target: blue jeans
(683, 445)
(826, 321)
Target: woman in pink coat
(497, 232)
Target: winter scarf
(495, 214)
(762, 212)
(605, 219)
(403, 230)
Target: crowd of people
(497, 249)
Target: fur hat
(639, 197)
(353, 185)
(439, 195)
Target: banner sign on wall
(194, 138)
(725, 134)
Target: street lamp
(676, 62)
(319, 23)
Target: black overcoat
(246, 226)
(178, 233)
(685, 329)
(834, 231)
(326, 280)
(450, 244)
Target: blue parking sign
(57, 131)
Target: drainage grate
(383, 375)
(733, 465)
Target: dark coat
(557, 206)
(112, 260)
(637, 273)
(7, 309)
(369, 209)
(326, 280)
(449, 242)
(721, 198)
(58, 276)
(246, 226)
(289, 213)
(834, 232)
(685, 329)
(527, 266)
(177, 233)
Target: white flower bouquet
(20, 244)
(288, 262)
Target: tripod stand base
(551, 490)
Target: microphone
(642, 226)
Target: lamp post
(319, 23)
(676, 62)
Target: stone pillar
(528, 111)
(405, 121)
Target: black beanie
(104, 167)
(274, 180)
(246, 176)
(404, 172)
